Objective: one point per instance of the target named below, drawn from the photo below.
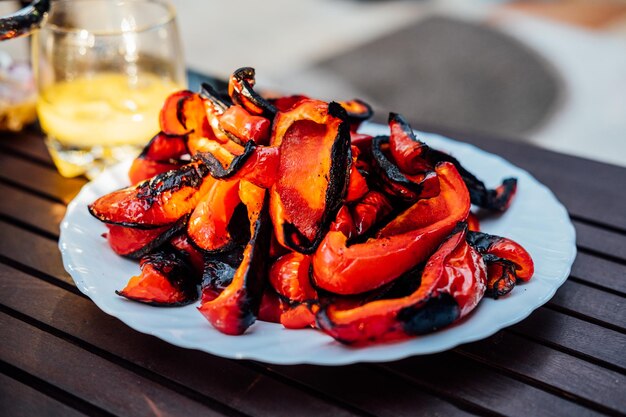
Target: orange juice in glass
(103, 69)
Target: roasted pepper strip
(365, 266)
(218, 274)
(408, 152)
(285, 103)
(157, 202)
(165, 280)
(183, 113)
(289, 276)
(391, 179)
(357, 184)
(161, 154)
(415, 156)
(257, 164)
(314, 163)
(237, 121)
(271, 307)
(358, 111)
(504, 248)
(473, 223)
(452, 284)
(237, 307)
(344, 223)
(135, 243)
(370, 210)
(498, 199)
(208, 226)
(194, 257)
(240, 89)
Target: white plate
(536, 220)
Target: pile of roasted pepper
(278, 209)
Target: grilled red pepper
(237, 121)
(219, 270)
(357, 184)
(271, 307)
(415, 156)
(473, 224)
(371, 209)
(452, 284)
(257, 164)
(208, 227)
(408, 152)
(344, 223)
(240, 89)
(507, 261)
(285, 103)
(289, 275)
(358, 111)
(158, 202)
(183, 113)
(161, 154)
(135, 243)
(182, 244)
(397, 184)
(314, 146)
(165, 280)
(237, 307)
(365, 266)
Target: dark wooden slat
(591, 302)
(588, 189)
(34, 251)
(452, 374)
(30, 209)
(551, 368)
(106, 385)
(19, 400)
(605, 241)
(575, 335)
(229, 381)
(38, 178)
(379, 393)
(600, 271)
(28, 143)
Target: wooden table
(61, 356)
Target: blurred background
(552, 73)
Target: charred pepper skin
(302, 211)
(507, 261)
(163, 153)
(416, 155)
(504, 248)
(405, 187)
(237, 307)
(157, 202)
(136, 243)
(353, 269)
(166, 280)
(241, 91)
(451, 286)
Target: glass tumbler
(103, 69)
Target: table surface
(60, 355)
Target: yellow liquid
(100, 118)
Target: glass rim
(169, 16)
